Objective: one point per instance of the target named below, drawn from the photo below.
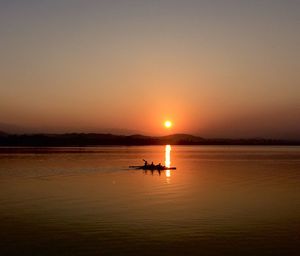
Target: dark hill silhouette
(182, 139)
(95, 139)
(3, 133)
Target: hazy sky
(215, 68)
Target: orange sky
(222, 68)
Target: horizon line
(150, 136)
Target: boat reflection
(153, 172)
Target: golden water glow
(168, 124)
(168, 159)
(168, 173)
(168, 156)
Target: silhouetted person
(145, 162)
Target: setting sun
(168, 124)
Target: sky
(214, 68)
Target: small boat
(152, 167)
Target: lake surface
(85, 201)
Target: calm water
(85, 201)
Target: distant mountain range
(95, 139)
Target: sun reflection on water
(168, 160)
(168, 173)
(168, 156)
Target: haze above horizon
(213, 68)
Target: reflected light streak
(168, 156)
(168, 159)
(168, 173)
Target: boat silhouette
(152, 166)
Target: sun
(168, 124)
